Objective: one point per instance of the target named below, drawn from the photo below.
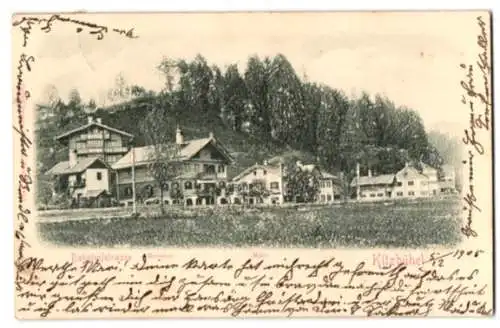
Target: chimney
(90, 119)
(406, 164)
(72, 158)
(99, 120)
(211, 135)
(265, 162)
(357, 170)
(179, 138)
(369, 172)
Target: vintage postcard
(312, 164)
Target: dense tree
(286, 103)
(332, 112)
(269, 103)
(258, 79)
(301, 185)
(161, 159)
(234, 97)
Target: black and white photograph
(154, 135)
(257, 147)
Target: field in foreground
(408, 225)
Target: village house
(200, 167)
(259, 184)
(433, 180)
(330, 186)
(447, 181)
(370, 188)
(408, 183)
(92, 148)
(267, 184)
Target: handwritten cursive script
(477, 121)
(46, 24)
(254, 287)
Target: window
(329, 198)
(411, 193)
(188, 185)
(275, 185)
(254, 172)
(94, 144)
(381, 194)
(400, 184)
(265, 172)
(411, 183)
(209, 168)
(328, 184)
(114, 143)
(99, 176)
(220, 169)
(148, 191)
(399, 194)
(322, 198)
(372, 195)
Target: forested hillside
(258, 110)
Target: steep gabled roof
(89, 125)
(326, 175)
(249, 170)
(145, 155)
(63, 168)
(384, 179)
(409, 172)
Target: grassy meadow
(408, 225)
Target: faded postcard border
(256, 296)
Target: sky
(412, 58)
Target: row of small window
(194, 167)
(398, 194)
(264, 172)
(328, 198)
(95, 143)
(188, 185)
(246, 186)
(412, 183)
(373, 195)
(412, 193)
(325, 184)
(409, 183)
(98, 176)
